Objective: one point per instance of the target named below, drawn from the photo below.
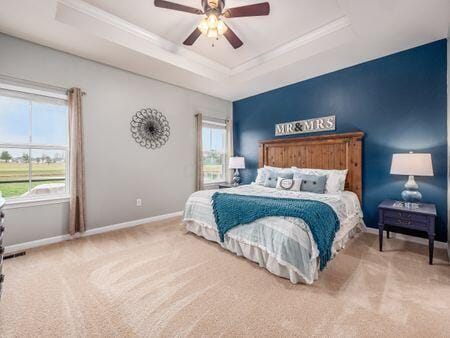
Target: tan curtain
(229, 130)
(77, 219)
(199, 151)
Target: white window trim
(21, 202)
(31, 87)
(215, 123)
(214, 185)
(16, 203)
(21, 89)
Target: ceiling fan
(212, 24)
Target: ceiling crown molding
(96, 21)
(105, 25)
(301, 41)
(317, 37)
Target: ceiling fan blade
(192, 38)
(177, 7)
(233, 38)
(250, 10)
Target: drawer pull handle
(399, 221)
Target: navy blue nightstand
(422, 218)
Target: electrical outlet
(139, 202)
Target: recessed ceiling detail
(300, 39)
(93, 20)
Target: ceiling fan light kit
(212, 27)
(212, 24)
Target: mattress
(282, 245)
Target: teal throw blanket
(231, 210)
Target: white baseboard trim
(424, 241)
(57, 239)
(95, 231)
(129, 224)
(34, 244)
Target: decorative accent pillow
(312, 183)
(335, 178)
(272, 177)
(264, 172)
(288, 184)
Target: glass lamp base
(411, 193)
(236, 178)
(413, 196)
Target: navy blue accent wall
(399, 101)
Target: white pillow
(284, 171)
(288, 184)
(261, 176)
(335, 178)
(334, 183)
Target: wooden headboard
(335, 151)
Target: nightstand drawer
(405, 223)
(406, 217)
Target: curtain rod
(83, 93)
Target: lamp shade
(236, 163)
(412, 164)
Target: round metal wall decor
(150, 128)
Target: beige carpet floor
(156, 280)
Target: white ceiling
(297, 19)
(300, 39)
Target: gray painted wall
(117, 170)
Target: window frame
(30, 94)
(217, 124)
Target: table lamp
(412, 164)
(236, 163)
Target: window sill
(33, 202)
(213, 185)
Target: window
(33, 144)
(214, 141)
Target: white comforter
(283, 245)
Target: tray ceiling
(288, 21)
(300, 39)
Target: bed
(285, 246)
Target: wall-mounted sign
(306, 126)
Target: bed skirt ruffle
(259, 255)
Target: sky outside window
(33, 145)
